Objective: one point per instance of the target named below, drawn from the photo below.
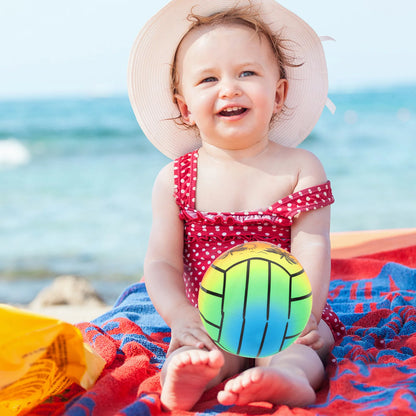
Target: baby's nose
(229, 88)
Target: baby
(248, 83)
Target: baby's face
(229, 85)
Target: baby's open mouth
(232, 111)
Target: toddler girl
(227, 91)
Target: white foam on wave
(13, 153)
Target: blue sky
(56, 47)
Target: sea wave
(13, 153)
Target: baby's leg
(289, 377)
(188, 372)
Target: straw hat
(153, 53)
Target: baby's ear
(281, 94)
(184, 110)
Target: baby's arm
(311, 245)
(163, 268)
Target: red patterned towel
(372, 371)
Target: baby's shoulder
(297, 157)
(165, 177)
(310, 171)
(305, 158)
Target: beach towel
(371, 371)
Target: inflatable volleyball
(255, 299)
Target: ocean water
(76, 177)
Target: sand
(72, 314)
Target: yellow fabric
(39, 357)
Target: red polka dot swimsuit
(208, 234)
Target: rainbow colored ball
(255, 300)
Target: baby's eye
(208, 79)
(247, 74)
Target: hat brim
(153, 52)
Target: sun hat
(151, 58)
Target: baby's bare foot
(270, 384)
(187, 377)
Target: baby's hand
(310, 335)
(187, 329)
